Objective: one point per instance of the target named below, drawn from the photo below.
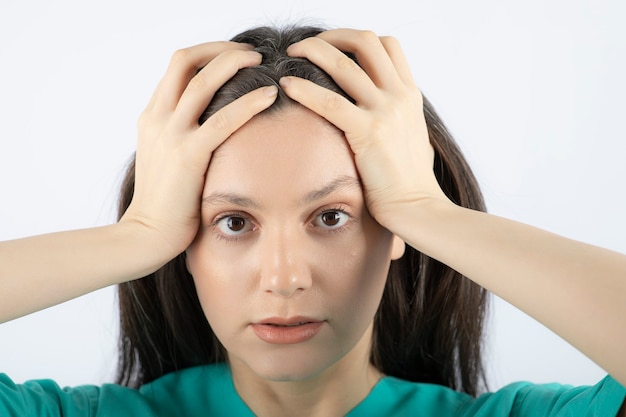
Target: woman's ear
(397, 249)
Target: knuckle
(347, 63)
(411, 95)
(146, 121)
(220, 120)
(331, 101)
(180, 57)
(377, 127)
(390, 41)
(395, 109)
(197, 83)
(368, 37)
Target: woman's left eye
(331, 219)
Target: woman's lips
(277, 330)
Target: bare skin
(42, 271)
(575, 289)
(275, 244)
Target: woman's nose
(283, 269)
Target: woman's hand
(173, 154)
(385, 128)
(174, 151)
(573, 288)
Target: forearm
(173, 153)
(41, 271)
(575, 289)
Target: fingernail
(284, 82)
(270, 91)
(248, 45)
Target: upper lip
(287, 321)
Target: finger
(394, 50)
(183, 65)
(344, 71)
(202, 86)
(333, 107)
(369, 51)
(217, 128)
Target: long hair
(429, 325)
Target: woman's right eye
(234, 225)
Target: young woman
(289, 241)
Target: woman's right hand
(173, 150)
(173, 154)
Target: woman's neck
(333, 392)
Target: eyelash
(225, 216)
(337, 209)
(235, 238)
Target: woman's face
(288, 264)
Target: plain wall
(533, 91)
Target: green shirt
(209, 391)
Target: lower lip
(287, 335)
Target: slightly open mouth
(287, 333)
(287, 325)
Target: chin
(288, 366)
(302, 361)
(283, 368)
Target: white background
(534, 92)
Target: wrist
(412, 208)
(419, 220)
(148, 248)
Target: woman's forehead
(295, 134)
(296, 150)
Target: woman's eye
(332, 219)
(234, 225)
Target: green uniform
(209, 391)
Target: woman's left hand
(573, 288)
(385, 127)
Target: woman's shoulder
(527, 399)
(209, 389)
(186, 392)
(393, 396)
(46, 398)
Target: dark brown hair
(429, 325)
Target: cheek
(348, 273)
(356, 277)
(220, 294)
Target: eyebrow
(217, 198)
(344, 182)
